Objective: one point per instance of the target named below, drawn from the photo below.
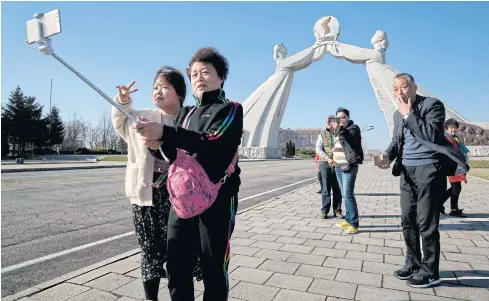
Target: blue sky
(443, 44)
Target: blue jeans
(346, 180)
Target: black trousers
(209, 232)
(453, 193)
(330, 182)
(422, 191)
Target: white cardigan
(140, 163)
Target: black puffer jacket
(351, 142)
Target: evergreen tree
(23, 122)
(55, 127)
(293, 148)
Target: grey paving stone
(333, 288)
(128, 299)
(339, 238)
(242, 250)
(61, 292)
(291, 240)
(316, 271)
(422, 297)
(474, 250)
(394, 259)
(95, 295)
(324, 230)
(464, 293)
(368, 241)
(350, 246)
(253, 292)
(365, 256)
(294, 282)
(296, 248)
(273, 254)
(329, 252)
(395, 243)
(306, 258)
(481, 243)
(288, 295)
(359, 277)
(387, 235)
(392, 282)
(242, 234)
(343, 263)
(379, 268)
(281, 226)
(448, 265)
(251, 275)
(365, 293)
(450, 248)
(109, 282)
(121, 267)
(303, 228)
(264, 237)
(282, 232)
(296, 223)
(247, 261)
(466, 257)
(320, 243)
(384, 250)
(310, 235)
(267, 245)
(279, 266)
(260, 230)
(88, 276)
(457, 242)
(242, 241)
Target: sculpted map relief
(264, 108)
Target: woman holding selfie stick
(150, 205)
(347, 154)
(211, 133)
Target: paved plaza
(282, 251)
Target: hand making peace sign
(124, 92)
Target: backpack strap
(230, 170)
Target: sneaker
(404, 273)
(423, 281)
(351, 230)
(457, 212)
(339, 216)
(323, 215)
(442, 210)
(343, 224)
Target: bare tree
(75, 133)
(105, 127)
(93, 136)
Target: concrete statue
(264, 108)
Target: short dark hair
(340, 109)
(407, 76)
(211, 56)
(176, 79)
(451, 122)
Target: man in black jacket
(423, 160)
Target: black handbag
(344, 166)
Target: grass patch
(480, 173)
(479, 163)
(117, 158)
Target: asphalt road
(44, 213)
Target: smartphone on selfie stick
(44, 26)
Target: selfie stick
(45, 48)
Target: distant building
(302, 138)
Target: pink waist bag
(190, 189)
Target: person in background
(324, 145)
(347, 155)
(212, 134)
(453, 193)
(150, 205)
